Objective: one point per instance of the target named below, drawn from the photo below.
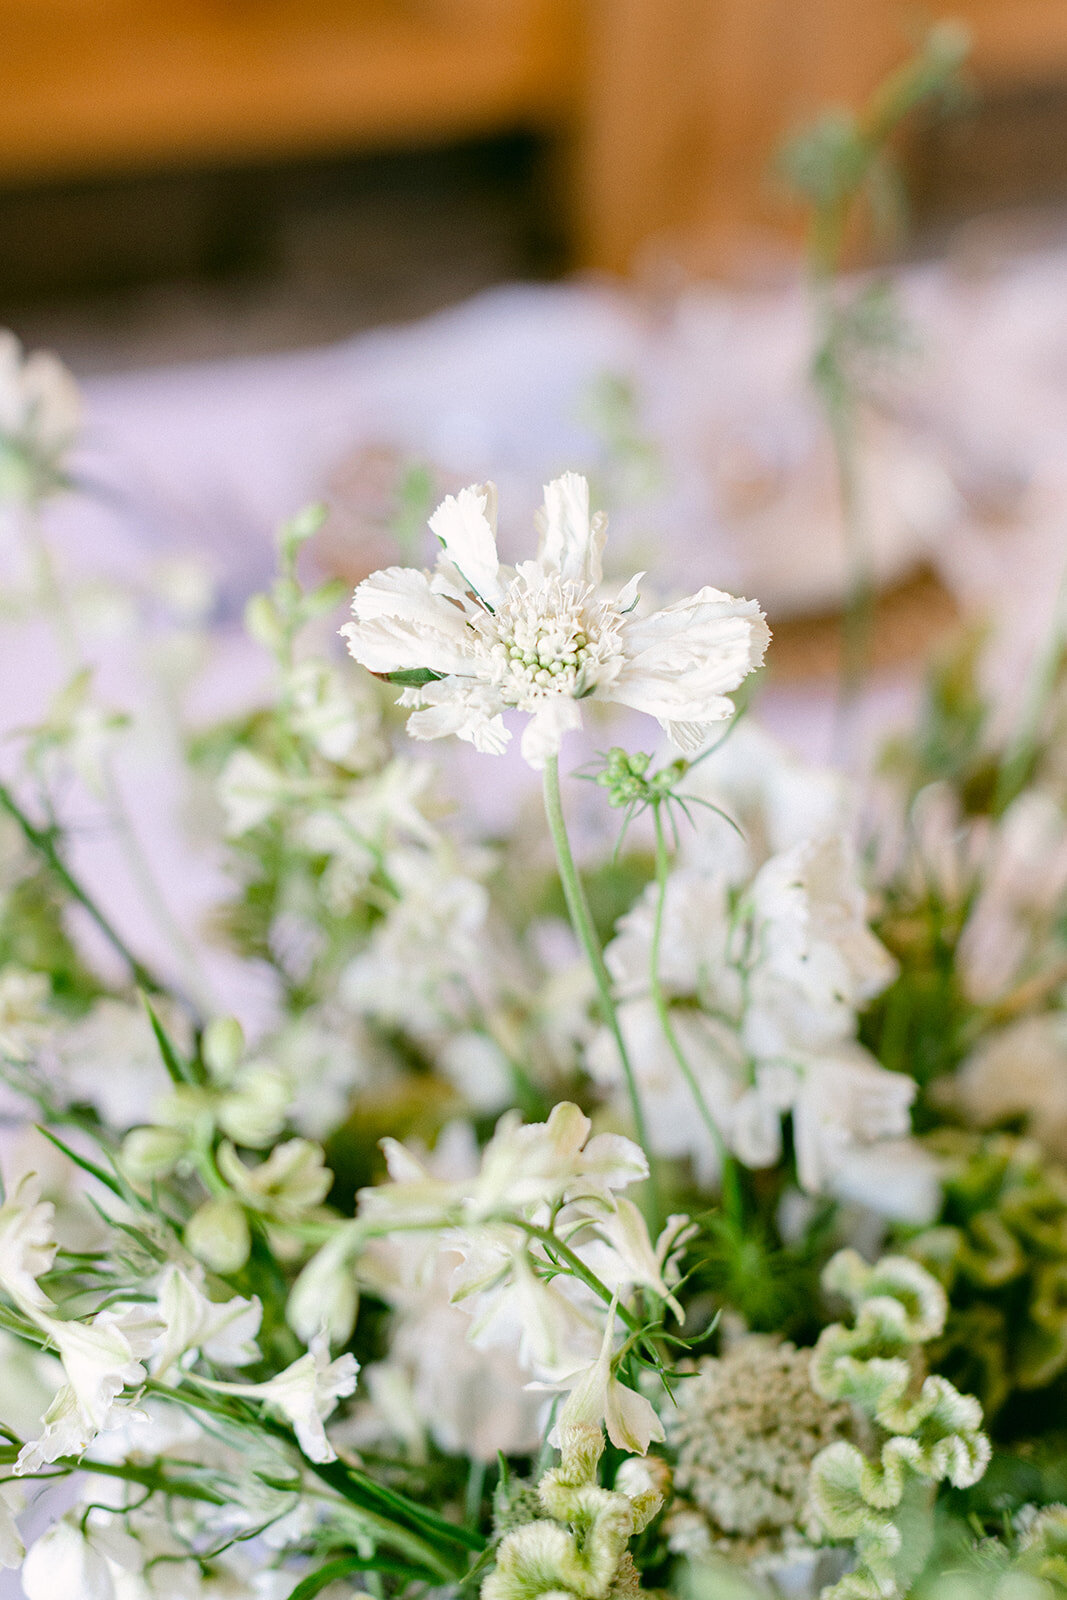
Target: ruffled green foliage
(578, 1546)
(999, 1250)
(926, 1431)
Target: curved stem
(42, 840)
(731, 1187)
(553, 1242)
(582, 921)
(56, 605)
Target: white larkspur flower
(543, 636)
(305, 1393)
(597, 1397)
(223, 1331)
(27, 1244)
(100, 1359)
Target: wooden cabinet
(669, 108)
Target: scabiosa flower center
(552, 638)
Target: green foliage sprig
(999, 1250)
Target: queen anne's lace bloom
(478, 638)
(746, 1429)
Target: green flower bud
(263, 622)
(151, 1153)
(325, 1295)
(222, 1048)
(218, 1236)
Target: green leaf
(412, 677)
(86, 1165)
(180, 1071)
(315, 1582)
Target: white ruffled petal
(572, 542)
(466, 526)
(682, 661)
(544, 732)
(470, 711)
(400, 624)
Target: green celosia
(1000, 1251)
(578, 1545)
(926, 1431)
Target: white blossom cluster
(766, 960)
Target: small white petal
(466, 526)
(571, 541)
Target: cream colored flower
(598, 1397)
(305, 1393)
(479, 639)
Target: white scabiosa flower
(473, 638)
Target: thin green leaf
(179, 1070)
(82, 1161)
(315, 1582)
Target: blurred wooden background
(667, 110)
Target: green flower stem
(577, 1266)
(582, 921)
(42, 840)
(731, 1186)
(55, 603)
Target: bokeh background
(190, 178)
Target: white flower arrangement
(489, 1256)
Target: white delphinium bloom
(426, 952)
(719, 1065)
(764, 980)
(305, 1394)
(817, 962)
(483, 639)
(24, 1019)
(503, 1277)
(27, 1245)
(524, 1166)
(224, 1332)
(101, 1358)
(840, 1099)
(66, 1560)
(596, 1397)
(467, 1395)
(774, 799)
(40, 418)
